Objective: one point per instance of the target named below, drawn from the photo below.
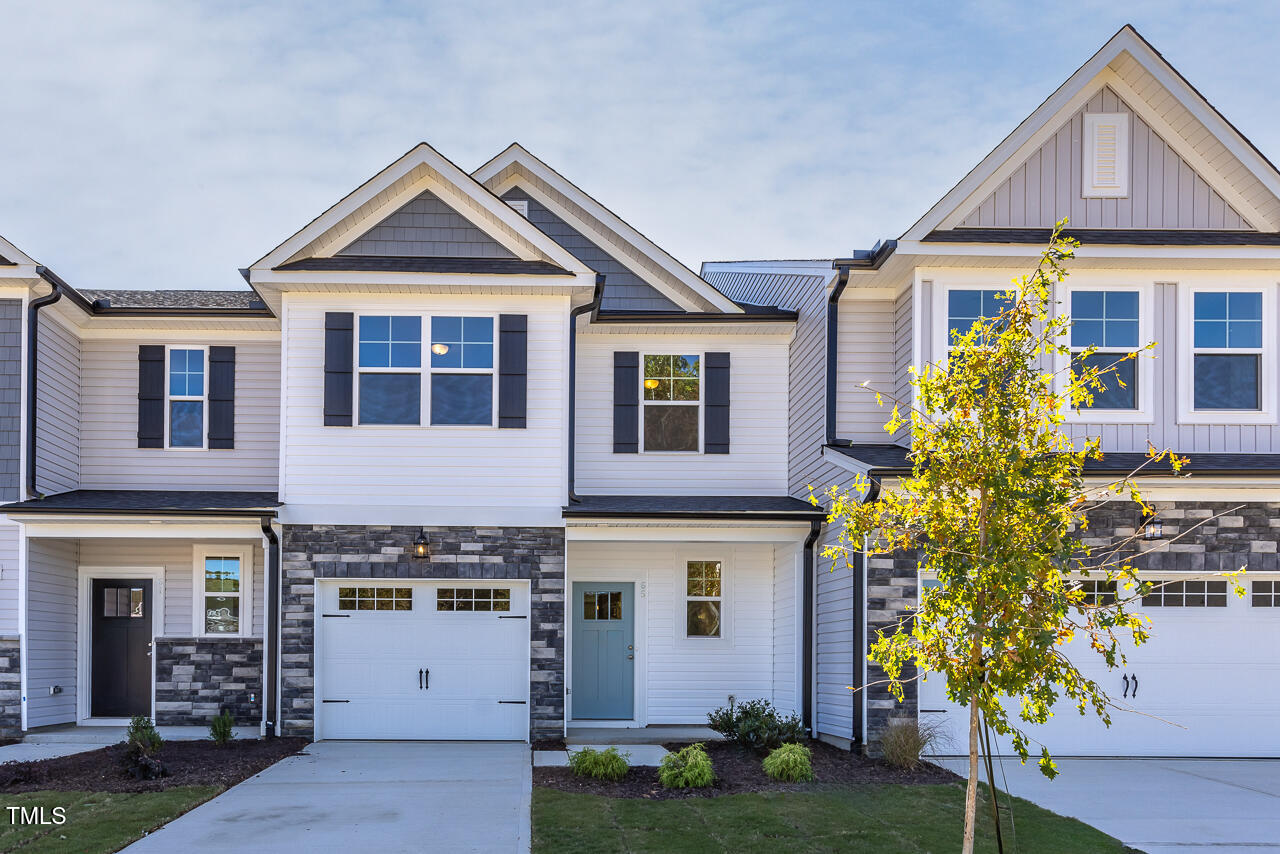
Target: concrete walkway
(1161, 806)
(367, 796)
(28, 752)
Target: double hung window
(1227, 350)
(672, 402)
(462, 370)
(966, 306)
(1107, 321)
(223, 594)
(186, 391)
(704, 598)
(390, 369)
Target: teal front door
(604, 653)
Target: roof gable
(516, 167)
(1177, 121)
(426, 227)
(421, 170)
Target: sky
(167, 143)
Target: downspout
(33, 329)
(810, 562)
(270, 686)
(593, 307)
(833, 346)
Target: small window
(602, 605)
(1097, 592)
(704, 598)
(1266, 594)
(462, 361)
(123, 602)
(1187, 594)
(1107, 320)
(1227, 350)
(223, 576)
(672, 403)
(473, 599)
(186, 402)
(390, 355)
(966, 307)
(375, 598)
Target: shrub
(606, 764)
(756, 724)
(142, 743)
(690, 768)
(790, 763)
(904, 741)
(222, 728)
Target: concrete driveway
(349, 796)
(1162, 806)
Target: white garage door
(1206, 684)
(423, 660)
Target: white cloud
(160, 144)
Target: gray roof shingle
(177, 299)
(161, 502)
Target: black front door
(121, 650)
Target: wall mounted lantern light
(1152, 529)
(421, 545)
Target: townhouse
(1179, 216)
(470, 458)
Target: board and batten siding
(437, 472)
(1164, 191)
(109, 454)
(52, 591)
(867, 353)
(757, 459)
(58, 409)
(807, 359)
(682, 682)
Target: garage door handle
(428, 673)
(511, 702)
(419, 678)
(513, 617)
(1126, 686)
(1135, 684)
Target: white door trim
(639, 614)
(317, 644)
(84, 598)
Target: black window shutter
(222, 398)
(513, 369)
(626, 403)
(715, 433)
(339, 362)
(151, 396)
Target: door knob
(629, 646)
(630, 657)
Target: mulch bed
(189, 763)
(738, 770)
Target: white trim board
(85, 575)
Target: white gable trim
(14, 254)
(531, 245)
(515, 154)
(677, 296)
(1071, 97)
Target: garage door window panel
(375, 598)
(472, 599)
(1266, 594)
(1186, 594)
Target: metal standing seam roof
(160, 502)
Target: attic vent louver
(520, 206)
(1105, 170)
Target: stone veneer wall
(10, 688)
(383, 551)
(1212, 536)
(196, 678)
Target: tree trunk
(971, 790)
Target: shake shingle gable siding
(623, 289)
(426, 226)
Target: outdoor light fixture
(650, 383)
(1153, 529)
(420, 544)
(439, 349)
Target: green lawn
(96, 822)
(900, 819)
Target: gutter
(809, 592)
(134, 511)
(33, 329)
(271, 686)
(739, 515)
(613, 316)
(594, 307)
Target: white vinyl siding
(58, 409)
(757, 458)
(788, 575)
(8, 580)
(833, 639)
(455, 469)
(683, 680)
(867, 354)
(52, 591)
(109, 454)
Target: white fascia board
(13, 253)
(849, 464)
(421, 154)
(281, 279)
(515, 153)
(135, 527)
(1194, 488)
(411, 514)
(1094, 250)
(614, 530)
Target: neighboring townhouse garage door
(404, 659)
(1206, 684)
